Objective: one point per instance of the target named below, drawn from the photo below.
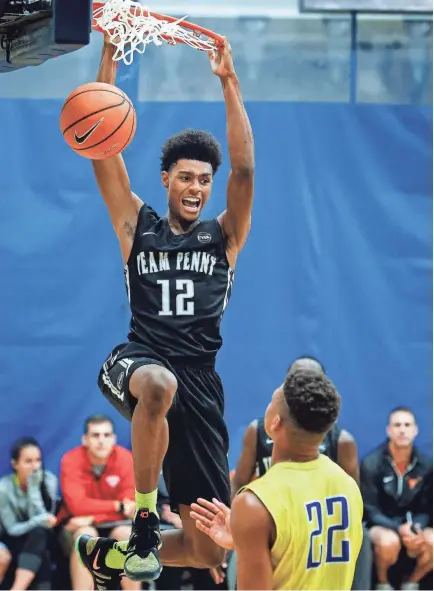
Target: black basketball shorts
(196, 463)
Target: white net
(131, 28)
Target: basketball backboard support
(2, 6)
(34, 31)
(372, 6)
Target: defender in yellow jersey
(300, 525)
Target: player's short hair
(402, 409)
(313, 401)
(97, 420)
(192, 144)
(311, 358)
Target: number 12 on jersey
(185, 292)
(318, 519)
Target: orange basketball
(98, 120)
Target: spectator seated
(97, 481)
(396, 482)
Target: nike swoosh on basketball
(95, 562)
(80, 139)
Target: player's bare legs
(153, 387)
(189, 546)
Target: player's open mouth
(191, 203)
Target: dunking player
(179, 273)
(300, 525)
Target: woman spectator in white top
(27, 506)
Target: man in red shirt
(97, 483)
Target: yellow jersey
(317, 510)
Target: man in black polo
(396, 483)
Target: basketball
(98, 120)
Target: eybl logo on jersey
(204, 237)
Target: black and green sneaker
(142, 562)
(93, 552)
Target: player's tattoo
(130, 229)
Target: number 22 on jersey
(329, 538)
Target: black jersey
(329, 447)
(178, 287)
(264, 447)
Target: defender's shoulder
(249, 513)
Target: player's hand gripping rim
(221, 61)
(213, 519)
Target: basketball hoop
(132, 27)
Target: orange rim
(218, 39)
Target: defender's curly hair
(192, 144)
(312, 400)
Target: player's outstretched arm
(111, 173)
(253, 530)
(246, 462)
(236, 219)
